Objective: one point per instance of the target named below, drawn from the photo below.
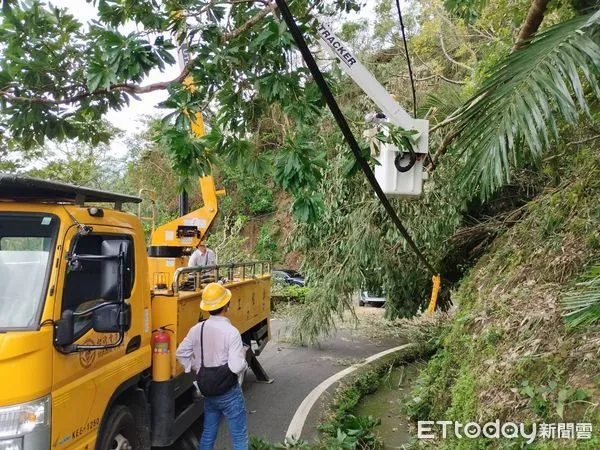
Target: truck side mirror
(112, 318)
(64, 329)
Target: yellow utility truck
(90, 318)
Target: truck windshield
(26, 246)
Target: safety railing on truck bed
(199, 276)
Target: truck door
(84, 381)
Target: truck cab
(77, 315)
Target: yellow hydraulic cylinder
(437, 282)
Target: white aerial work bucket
(393, 182)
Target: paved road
(296, 371)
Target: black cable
(410, 72)
(412, 159)
(346, 131)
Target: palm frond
(512, 118)
(582, 305)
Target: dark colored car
(288, 276)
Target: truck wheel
(120, 432)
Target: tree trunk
(532, 22)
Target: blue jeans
(231, 405)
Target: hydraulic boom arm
(369, 84)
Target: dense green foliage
(354, 246)
(288, 292)
(58, 78)
(512, 118)
(509, 355)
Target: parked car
(288, 276)
(373, 298)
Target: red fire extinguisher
(161, 354)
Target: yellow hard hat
(214, 296)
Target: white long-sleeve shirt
(222, 345)
(208, 258)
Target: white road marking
(297, 424)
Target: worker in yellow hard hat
(215, 297)
(214, 350)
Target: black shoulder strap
(202, 343)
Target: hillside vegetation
(508, 353)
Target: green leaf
(263, 37)
(580, 394)
(528, 391)
(560, 409)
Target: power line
(410, 72)
(345, 128)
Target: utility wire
(345, 128)
(410, 72)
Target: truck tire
(120, 431)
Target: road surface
(296, 371)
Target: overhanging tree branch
(451, 59)
(583, 141)
(250, 22)
(435, 76)
(134, 88)
(443, 147)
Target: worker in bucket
(213, 349)
(202, 256)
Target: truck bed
(249, 311)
